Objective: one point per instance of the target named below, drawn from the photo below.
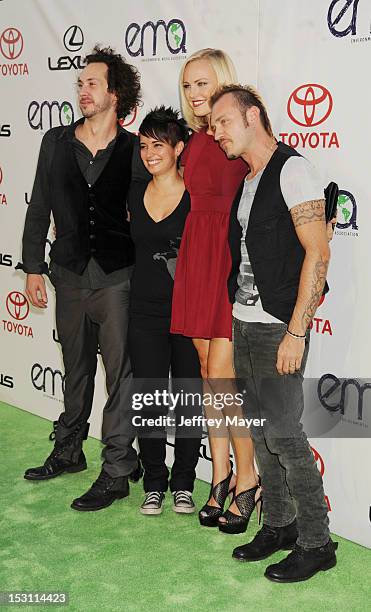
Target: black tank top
(156, 251)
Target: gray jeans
(86, 317)
(292, 485)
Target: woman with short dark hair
(158, 211)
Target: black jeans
(292, 484)
(153, 353)
(84, 318)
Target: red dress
(201, 308)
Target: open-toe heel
(246, 502)
(209, 515)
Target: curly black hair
(164, 124)
(123, 79)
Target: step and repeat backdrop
(311, 63)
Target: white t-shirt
(300, 182)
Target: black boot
(302, 564)
(102, 493)
(67, 456)
(266, 542)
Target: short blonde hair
(225, 74)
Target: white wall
(278, 46)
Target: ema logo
(173, 33)
(44, 379)
(338, 26)
(73, 40)
(11, 47)
(18, 308)
(45, 115)
(308, 106)
(332, 393)
(342, 18)
(3, 200)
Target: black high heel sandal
(245, 502)
(209, 515)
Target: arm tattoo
(318, 282)
(307, 212)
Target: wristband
(295, 335)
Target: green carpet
(117, 559)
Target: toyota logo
(11, 43)
(319, 461)
(1, 176)
(17, 305)
(73, 39)
(321, 300)
(129, 119)
(309, 105)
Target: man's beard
(88, 113)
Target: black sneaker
(183, 502)
(302, 564)
(152, 502)
(102, 493)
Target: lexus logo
(11, 43)
(73, 39)
(309, 105)
(17, 305)
(319, 461)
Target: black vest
(91, 221)
(274, 250)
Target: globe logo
(309, 105)
(11, 43)
(17, 305)
(175, 30)
(347, 210)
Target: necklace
(272, 148)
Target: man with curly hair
(82, 178)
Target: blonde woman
(201, 308)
